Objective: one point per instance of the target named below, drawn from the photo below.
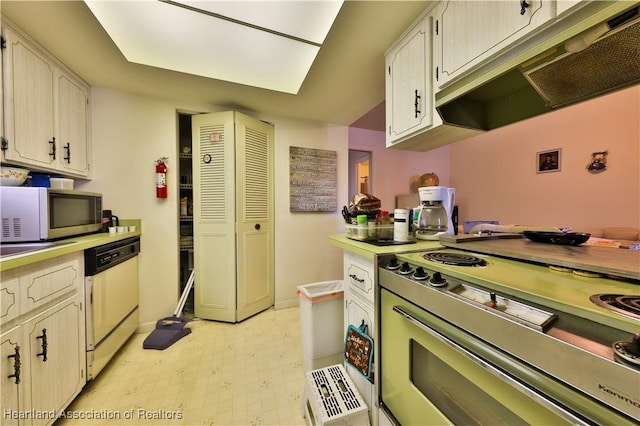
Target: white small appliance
(434, 217)
(41, 214)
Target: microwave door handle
(517, 385)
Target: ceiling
(345, 84)
(267, 44)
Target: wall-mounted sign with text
(313, 181)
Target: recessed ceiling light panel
(308, 20)
(165, 35)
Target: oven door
(434, 373)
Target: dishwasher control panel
(97, 259)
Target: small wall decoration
(313, 180)
(598, 162)
(548, 161)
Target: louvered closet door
(255, 240)
(233, 216)
(214, 216)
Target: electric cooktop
(558, 289)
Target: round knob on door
(257, 226)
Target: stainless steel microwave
(40, 214)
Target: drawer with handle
(359, 276)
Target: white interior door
(254, 177)
(233, 216)
(214, 216)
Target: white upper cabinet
(46, 110)
(29, 85)
(411, 118)
(563, 6)
(409, 100)
(73, 119)
(473, 31)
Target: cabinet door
(564, 6)
(28, 103)
(356, 312)
(473, 31)
(409, 97)
(9, 296)
(11, 353)
(73, 132)
(56, 356)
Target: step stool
(331, 398)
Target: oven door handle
(517, 385)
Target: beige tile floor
(221, 374)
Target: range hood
(602, 59)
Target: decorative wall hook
(598, 162)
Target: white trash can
(322, 324)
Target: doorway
(360, 171)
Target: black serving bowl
(563, 238)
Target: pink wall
(495, 173)
(396, 172)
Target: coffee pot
(434, 213)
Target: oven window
(459, 399)
(65, 211)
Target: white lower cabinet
(358, 310)
(42, 347)
(55, 357)
(356, 313)
(11, 370)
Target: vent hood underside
(565, 78)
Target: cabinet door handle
(415, 104)
(355, 278)
(43, 354)
(4, 144)
(523, 7)
(16, 365)
(52, 152)
(67, 147)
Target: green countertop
(370, 251)
(71, 245)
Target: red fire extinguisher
(161, 178)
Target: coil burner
(628, 305)
(454, 259)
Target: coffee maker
(109, 220)
(434, 217)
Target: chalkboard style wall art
(313, 181)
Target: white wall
(130, 132)
(303, 254)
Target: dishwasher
(111, 300)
